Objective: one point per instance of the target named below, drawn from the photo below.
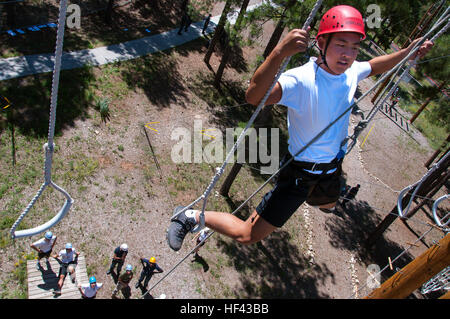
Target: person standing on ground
(149, 268)
(123, 282)
(205, 25)
(120, 253)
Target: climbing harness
(49, 146)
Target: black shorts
(46, 255)
(295, 186)
(63, 268)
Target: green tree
(436, 65)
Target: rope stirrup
(49, 146)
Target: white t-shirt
(314, 100)
(45, 245)
(89, 291)
(67, 257)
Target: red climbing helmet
(342, 18)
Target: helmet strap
(323, 53)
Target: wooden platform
(42, 283)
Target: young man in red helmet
(315, 94)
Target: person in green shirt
(123, 282)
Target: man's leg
(147, 279)
(141, 277)
(249, 231)
(71, 270)
(119, 266)
(111, 268)
(62, 275)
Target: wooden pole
(230, 179)
(416, 273)
(433, 157)
(424, 105)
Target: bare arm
(35, 248)
(386, 62)
(296, 41)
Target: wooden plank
(417, 272)
(43, 282)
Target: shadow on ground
(274, 268)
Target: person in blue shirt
(150, 267)
(120, 253)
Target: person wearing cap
(123, 282)
(315, 94)
(89, 291)
(67, 259)
(149, 268)
(44, 247)
(120, 253)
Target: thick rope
(49, 146)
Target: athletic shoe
(178, 229)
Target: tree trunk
(218, 32)
(276, 35)
(424, 105)
(225, 188)
(222, 66)
(11, 15)
(229, 45)
(109, 10)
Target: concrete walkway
(41, 63)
